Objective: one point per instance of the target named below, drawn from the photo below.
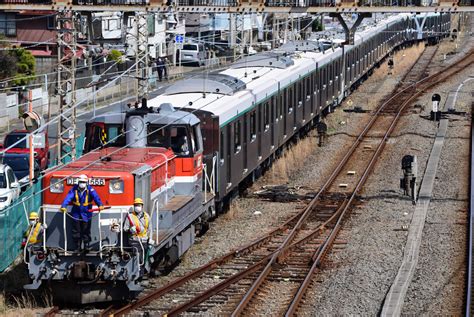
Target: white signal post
(30, 140)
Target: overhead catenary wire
(123, 147)
(126, 145)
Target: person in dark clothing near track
(162, 71)
(81, 196)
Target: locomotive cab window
(196, 139)
(180, 141)
(106, 135)
(157, 136)
(183, 140)
(237, 137)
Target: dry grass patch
(234, 210)
(293, 159)
(23, 305)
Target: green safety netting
(14, 222)
(14, 219)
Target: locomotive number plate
(92, 181)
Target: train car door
(236, 153)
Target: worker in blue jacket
(81, 197)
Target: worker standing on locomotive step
(81, 196)
(136, 225)
(34, 232)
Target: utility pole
(66, 85)
(141, 54)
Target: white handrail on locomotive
(156, 209)
(100, 234)
(65, 233)
(101, 246)
(44, 229)
(166, 171)
(209, 180)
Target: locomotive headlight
(57, 185)
(116, 186)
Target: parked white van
(193, 53)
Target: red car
(41, 153)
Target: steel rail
(199, 271)
(320, 252)
(52, 312)
(282, 253)
(282, 250)
(252, 269)
(470, 257)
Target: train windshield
(103, 135)
(184, 140)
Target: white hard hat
(82, 178)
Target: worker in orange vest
(136, 224)
(34, 232)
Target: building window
(237, 137)
(253, 125)
(112, 24)
(7, 24)
(151, 24)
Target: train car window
(237, 137)
(282, 105)
(253, 125)
(276, 101)
(157, 136)
(179, 141)
(266, 115)
(300, 93)
(221, 148)
(308, 87)
(290, 100)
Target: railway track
(470, 265)
(283, 262)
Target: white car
(9, 186)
